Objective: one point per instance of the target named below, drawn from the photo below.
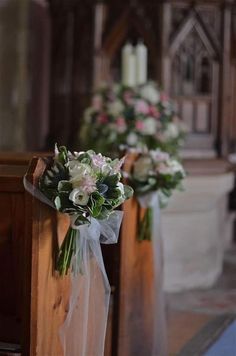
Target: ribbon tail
(160, 327)
(83, 332)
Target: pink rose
(102, 119)
(121, 124)
(139, 125)
(164, 97)
(153, 111)
(128, 97)
(141, 107)
(120, 121)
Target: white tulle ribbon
(151, 200)
(84, 329)
(83, 332)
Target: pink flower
(128, 97)
(98, 160)
(139, 125)
(88, 184)
(102, 119)
(153, 111)
(118, 165)
(164, 97)
(141, 107)
(121, 124)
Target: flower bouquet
(86, 186)
(154, 172)
(132, 117)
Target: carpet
(216, 338)
(226, 344)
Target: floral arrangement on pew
(133, 117)
(86, 186)
(154, 171)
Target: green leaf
(62, 155)
(111, 180)
(57, 202)
(104, 213)
(64, 186)
(98, 198)
(96, 210)
(113, 193)
(85, 158)
(128, 191)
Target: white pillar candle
(141, 63)
(126, 51)
(131, 73)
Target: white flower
(78, 197)
(132, 139)
(142, 167)
(86, 183)
(115, 108)
(159, 156)
(78, 169)
(116, 165)
(120, 186)
(176, 166)
(150, 93)
(163, 168)
(172, 131)
(150, 126)
(100, 164)
(170, 167)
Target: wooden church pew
(28, 288)
(34, 301)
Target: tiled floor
(189, 311)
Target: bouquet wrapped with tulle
(86, 186)
(154, 172)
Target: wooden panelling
(11, 252)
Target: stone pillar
(197, 227)
(13, 73)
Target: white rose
(150, 93)
(172, 131)
(142, 167)
(78, 169)
(164, 168)
(79, 197)
(132, 139)
(176, 167)
(150, 126)
(115, 108)
(159, 156)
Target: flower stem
(145, 226)
(65, 252)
